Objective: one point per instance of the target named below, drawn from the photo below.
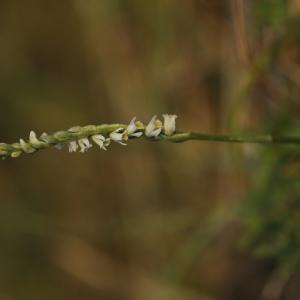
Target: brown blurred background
(150, 220)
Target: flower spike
(81, 137)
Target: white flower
(132, 128)
(33, 139)
(84, 144)
(101, 141)
(169, 124)
(73, 146)
(45, 137)
(152, 129)
(26, 147)
(119, 136)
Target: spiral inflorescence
(82, 138)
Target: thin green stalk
(257, 139)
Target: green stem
(257, 139)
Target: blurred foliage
(152, 220)
(272, 13)
(271, 212)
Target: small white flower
(26, 147)
(33, 139)
(169, 124)
(73, 146)
(101, 141)
(45, 137)
(119, 136)
(152, 130)
(84, 144)
(132, 128)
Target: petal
(32, 138)
(131, 128)
(156, 132)
(169, 124)
(99, 140)
(84, 144)
(151, 126)
(137, 134)
(116, 137)
(73, 146)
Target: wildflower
(119, 136)
(153, 128)
(73, 146)
(45, 137)
(101, 141)
(26, 147)
(33, 139)
(84, 144)
(132, 128)
(169, 124)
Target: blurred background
(197, 220)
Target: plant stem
(75, 133)
(257, 139)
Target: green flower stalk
(82, 138)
